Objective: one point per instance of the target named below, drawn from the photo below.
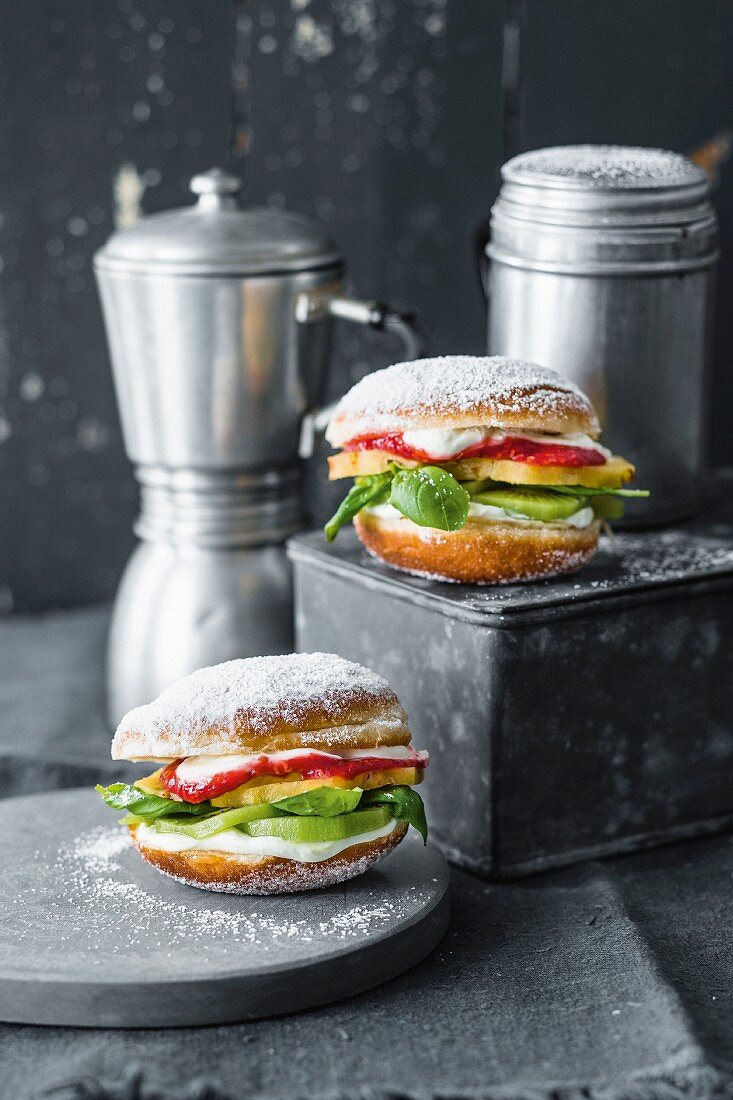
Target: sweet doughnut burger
(476, 470)
(279, 774)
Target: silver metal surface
(215, 373)
(181, 607)
(219, 324)
(194, 508)
(601, 267)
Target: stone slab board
(92, 936)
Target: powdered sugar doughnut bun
(473, 469)
(265, 704)
(458, 391)
(274, 774)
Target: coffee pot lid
(215, 236)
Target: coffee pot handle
(380, 317)
(374, 315)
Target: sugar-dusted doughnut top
(265, 704)
(460, 391)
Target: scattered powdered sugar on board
(661, 556)
(456, 384)
(98, 849)
(615, 166)
(100, 907)
(259, 693)
(625, 561)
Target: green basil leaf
(480, 486)
(584, 491)
(321, 802)
(404, 803)
(365, 491)
(383, 495)
(121, 796)
(607, 507)
(473, 488)
(430, 497)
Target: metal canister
(601, 267)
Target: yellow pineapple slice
(612, 475)
(266, 788)
(361, 463)
(151, 784)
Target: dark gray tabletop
(610, 980)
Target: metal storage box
(570, 719)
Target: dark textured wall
(384, 118)
(653, 73)
(103, 105)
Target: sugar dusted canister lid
(216, 236)
(604, 168)
(597, 208)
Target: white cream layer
(197, 768)
(488, 512)
(240, 844)
(444, 443)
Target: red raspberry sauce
(310, 765)
(510, 447)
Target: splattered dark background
(386, 119)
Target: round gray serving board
(91, 936)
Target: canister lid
(215, 236)
(604, 168)
(594, 208)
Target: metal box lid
(637, 566)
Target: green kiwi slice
(313, 829)
(216, 823)
(539, 504)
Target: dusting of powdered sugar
(256, 694)
(659, 557)
(103, 903)
(456, 384)
(98, 850)
(604, 166)
(625, 561)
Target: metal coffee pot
(601, 267)
(219, 322)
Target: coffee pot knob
(216, 188)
